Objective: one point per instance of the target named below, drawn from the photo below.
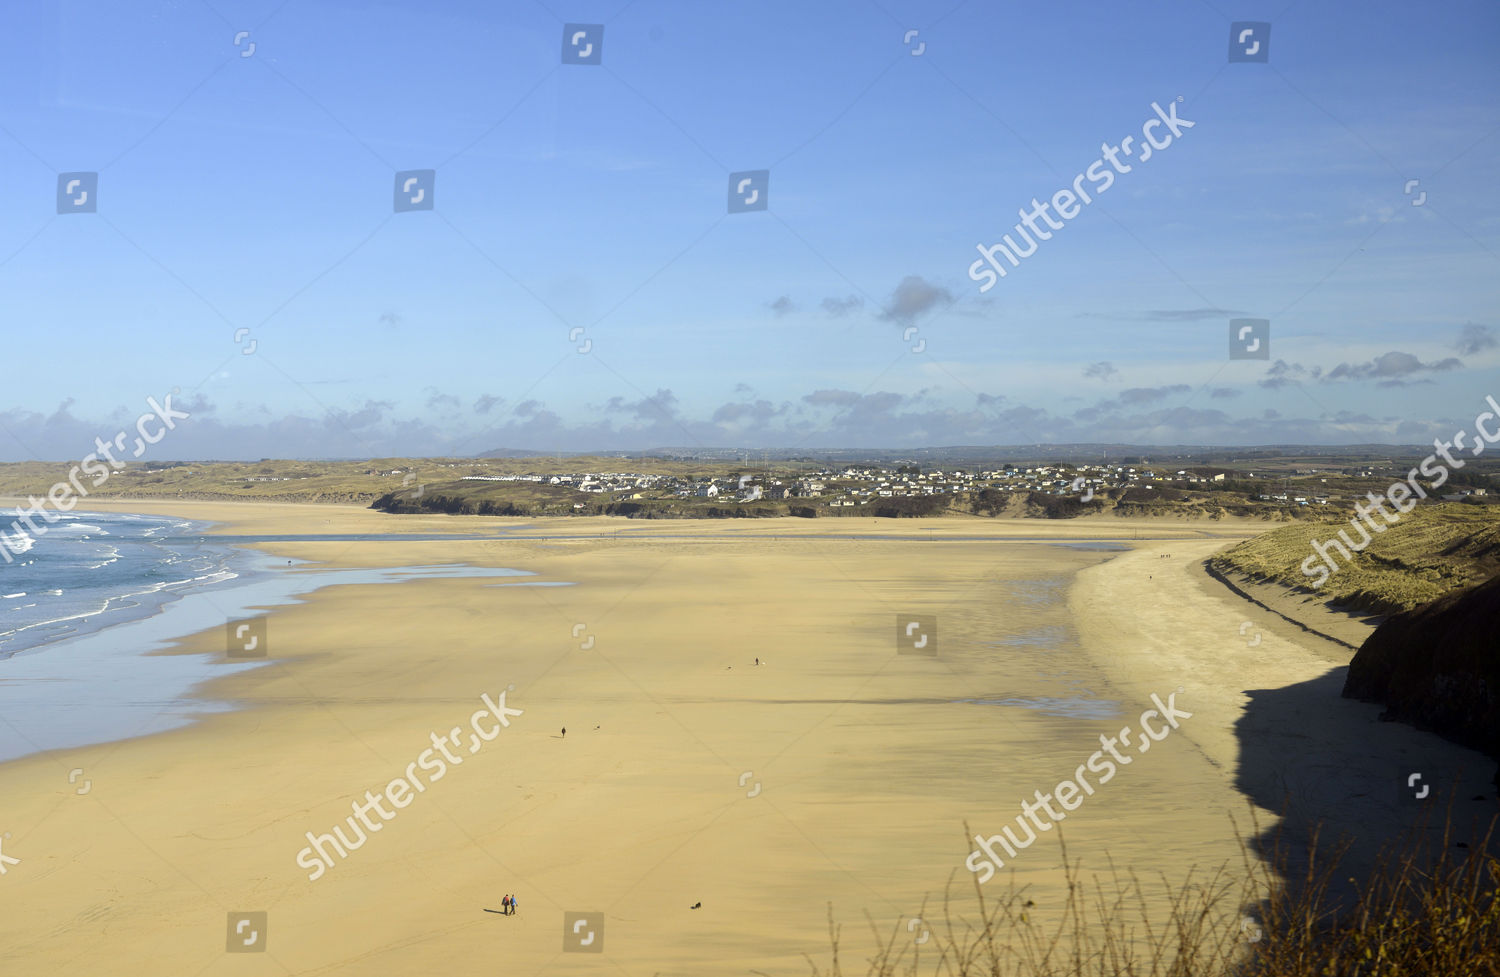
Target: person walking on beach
(512, 905)
(505, 906)
(565, 732)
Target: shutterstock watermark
(64, 496)
(1070, 794)
(1402, 496)
(6, 860)
(1069, 201)
(317, 859)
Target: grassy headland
(280, 480)
(1432, 551)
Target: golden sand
(836, 772)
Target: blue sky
(255, 193)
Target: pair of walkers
(508, 905)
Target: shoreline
(240, 564)
(178, 643)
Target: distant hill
(1089, 452)
(526, 453)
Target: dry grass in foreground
(1419, 913)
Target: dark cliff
(1437, 667)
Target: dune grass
(1427, 907)
(1429, 552)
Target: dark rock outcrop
(1437, 667)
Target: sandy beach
(838, 771)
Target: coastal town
(1269, 486)
(856, 486)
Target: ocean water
(87, 603)
(91, 570)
